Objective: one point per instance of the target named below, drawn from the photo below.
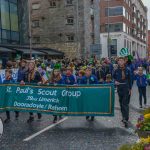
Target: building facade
(123, 24)
(70, 26)
(14, 22)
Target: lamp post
(108, 43)
(30, 33)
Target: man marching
(123, 81)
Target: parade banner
(96, 100)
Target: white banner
(14, 74)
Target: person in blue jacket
(108, 79)
(22, 72)
(9, 80)
(81, 77)
(69, 78)
(88, 80)
(56, 78)
(141, 81)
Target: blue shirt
(69, 80)
(141, 81)
(90, 80)
(22, 73)
(127, 82)
(9, 81)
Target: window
(6, 34)
(14, 17)
(114, 27)
(52, 3)
(13, 1)
(35, 6)
(114, 11)
(69, 2)
(70, 20)
(113, 47)
(9, 21)
(5, 21)
(35, 23)
(14, 36)
(70, 38)
(36, 40)
(125, 43)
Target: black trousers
(8, 114)
(123, 94)
(142, 93)
(31, 114)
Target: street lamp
(30, 33)
(108, 43)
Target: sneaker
(87, 117)
(7, 120)
(39, 116)
(17, 116)
(60, 117)
(141, 106)
(92, 118)
(125, 122)
(55, 119)
(31, 119)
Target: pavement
(72, 133)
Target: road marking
(45, 129)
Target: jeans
(142, 93)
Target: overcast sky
(147, 4)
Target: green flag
(124, 52)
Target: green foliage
(136, 146)
(147, 111)
(125, 147)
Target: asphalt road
(74, 133)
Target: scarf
(123, 73)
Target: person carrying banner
(22, 72)
(8, 80)
(69, 77)
(89, 79)
(32, 77)
(123, 81)
(56, 78)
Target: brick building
(71, 26)
(124, 23)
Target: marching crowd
(122, 72)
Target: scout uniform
(123, 77)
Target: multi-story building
(13, 26)
(123, 24)
(14, 21)
(149, 43)
(71, 26)
(14, 32)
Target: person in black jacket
(123, 81)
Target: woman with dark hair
(56, 78)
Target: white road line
(45, 129)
